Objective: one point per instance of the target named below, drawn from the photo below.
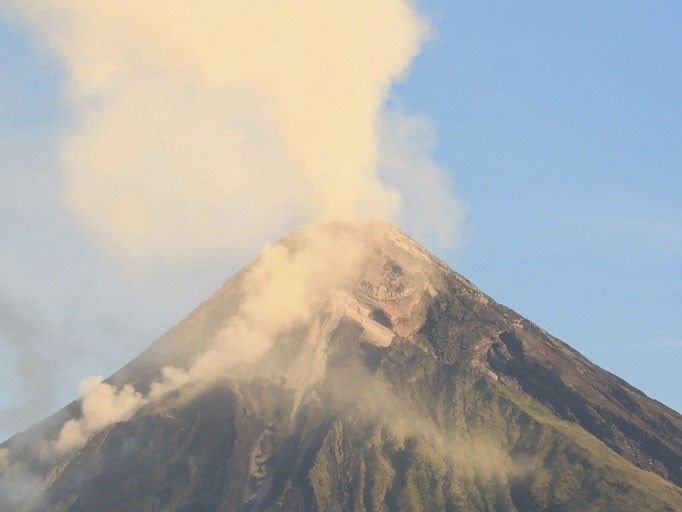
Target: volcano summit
(347, 368)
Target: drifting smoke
(4, 459)
(17, 484)
(101, 405)
(430, 210)
(201, 129)
(204, 128)
(284, 289)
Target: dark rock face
(467, 406)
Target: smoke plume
(101, 405)
(285, 289)
(430, 211)
(218, 125)
(199, 129)
(18, 485)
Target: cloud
(200, 129)
(662, 236)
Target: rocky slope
(409, 389)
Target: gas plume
(286, 288)
(430, 210)
(101, 405)
(196, 129)
(18, 485)
(202, 128)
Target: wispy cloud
(663, 236)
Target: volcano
(399, 387)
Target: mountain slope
(407, 390)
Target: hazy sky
(560, 128)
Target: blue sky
(560, 126)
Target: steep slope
(408, 389)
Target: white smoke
(4, 459)
(101, 405)
(18, 485)
(284, 289)
(199, 128)
(430, 210)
